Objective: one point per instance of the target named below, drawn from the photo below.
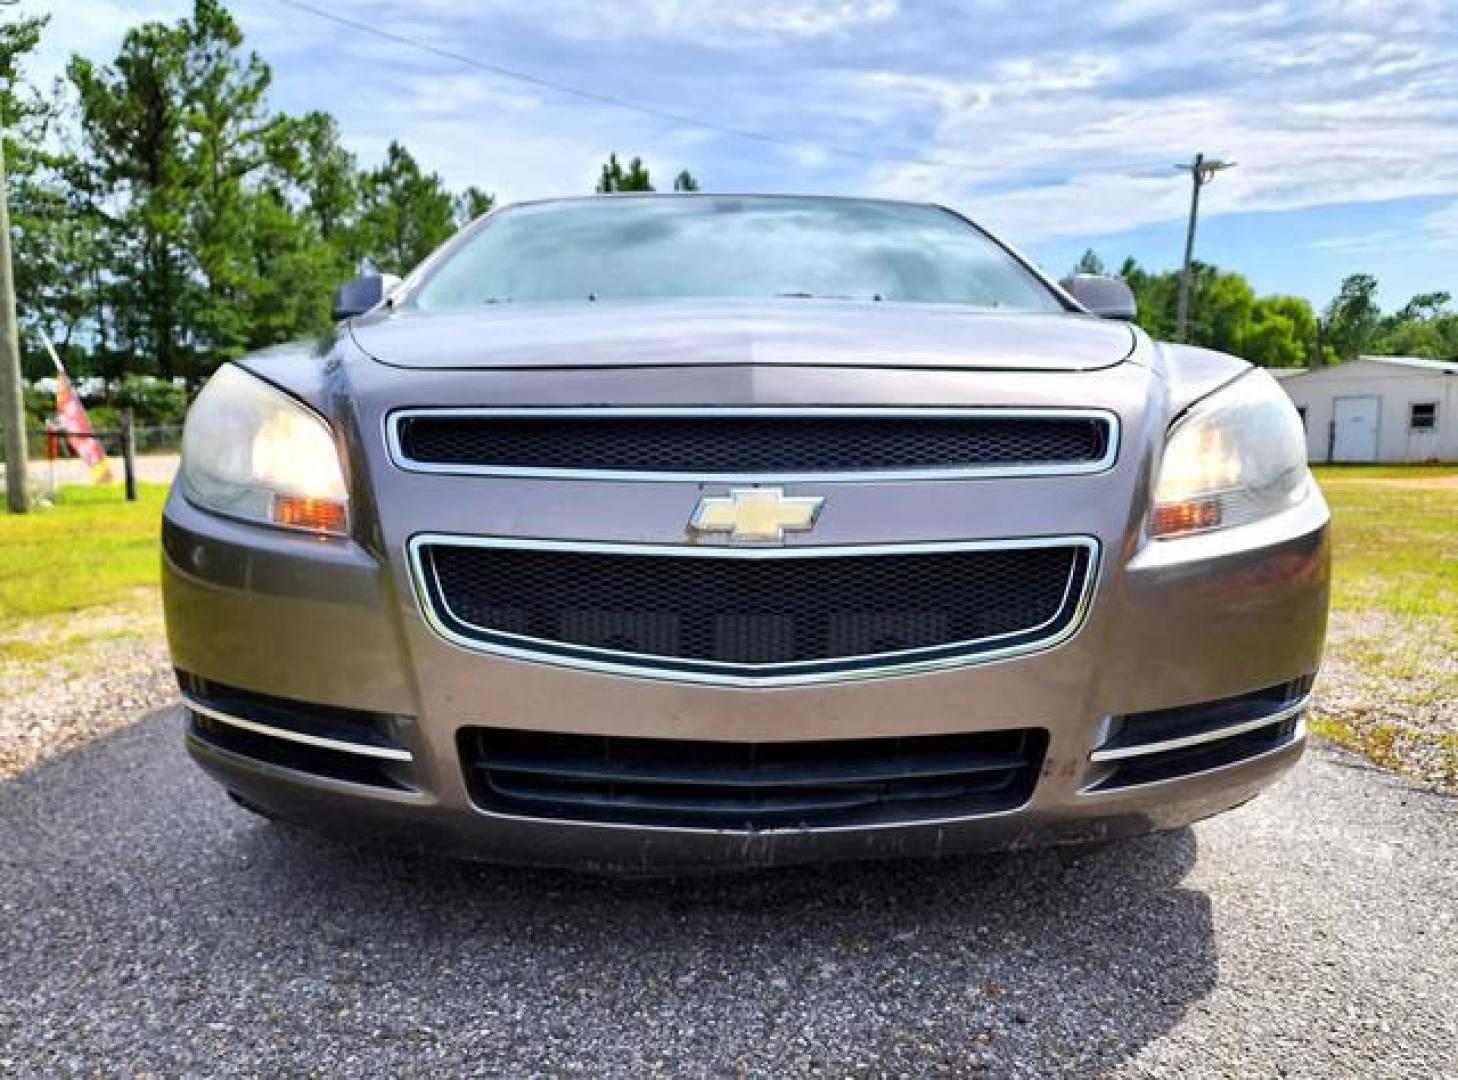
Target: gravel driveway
(146, 925)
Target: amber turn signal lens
(1182, 517)
(302, 512)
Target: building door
(1354, 434)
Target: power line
(681, 119)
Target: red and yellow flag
(77, 425)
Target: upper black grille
(715, 613)
(744, 445)
(683, 783)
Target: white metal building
(1378, 408)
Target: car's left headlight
(250, 451)
(1234, 458)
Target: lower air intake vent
(750, 786)
(324, 740)
(1144, 748)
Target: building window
(1424, 416)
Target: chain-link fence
(40, 443)
(54, 460)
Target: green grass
(1383, 472)
(1395, 545)
(1395, 612)
(90, 549)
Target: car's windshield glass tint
(727, 247)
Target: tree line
(1286, 331)
(166, 218)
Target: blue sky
(1053, 122)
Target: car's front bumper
(1170, 624)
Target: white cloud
(462, 93)
(1380, 241)
(1062, 117)
(696, 20)
(1314, 114)
(1441, 227)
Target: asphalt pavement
(149, 926)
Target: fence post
(129, 454)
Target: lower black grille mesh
(742, 445)
(760, 616)
(724, 785)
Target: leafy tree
(472, 203)
(407, 213)
(685, 181)
(616, 178)
(139, 179)
(1156, 295)
(1281, 332)
(1353, 317)
(1425, 306)
(1424, 326)
(1220, 308)
(18, 38)
(55, 243)
(302, 229)
(291, 271)
(170, 218)
(309, 151)
(1273, 331)
(231, 137)
(153, 401)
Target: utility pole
(12, 405)
(1201, 173)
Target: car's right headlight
(1236, 457)
(250, 451)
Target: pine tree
(615, 178)
(407, 213)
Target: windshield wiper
(820, 296)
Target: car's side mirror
(363, 293)
(1106, 297)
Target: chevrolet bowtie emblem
(756, 513)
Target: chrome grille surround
(395, 421)
(1069, 618)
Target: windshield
(729, 247)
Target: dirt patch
(69, 679)
(1403, 483)
(1389, 688)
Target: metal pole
(1183, 315)
(12, 400)
(129, 452)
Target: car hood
(782, 332)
